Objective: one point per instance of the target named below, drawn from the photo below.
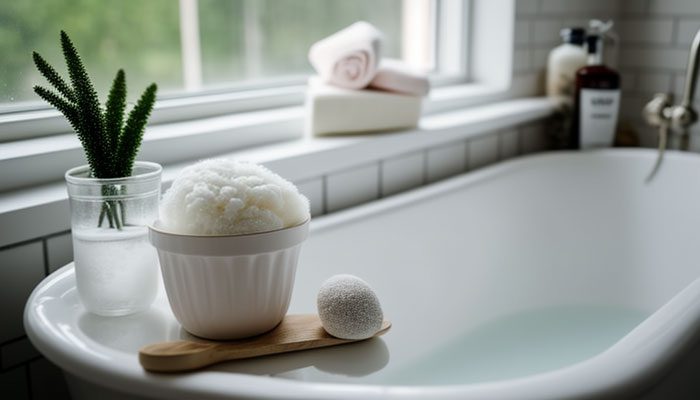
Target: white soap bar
(332, 110)
(349, 308)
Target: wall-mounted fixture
(660, 112)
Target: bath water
(116, 270)
(520, 345)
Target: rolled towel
(395, 76)
(348, 58)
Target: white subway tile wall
(352, 187)
(21, 268)
(533, 138)
(672, 60)
(402, 173)
(649, 82)
(509, 144)
(526, 7)
(313, 190)
(660, 33)
(522, 31)
(446, 160)
(634, 6)
(638, 30)
(522, 60)
(655, 38)
(59, 251)
(482, 151)
(53, 217)
(673, 7)
(577, 7)
(628, 81)
(687, 29)
(545, 31)
(18, 352)
(14, 383)
(47, 381)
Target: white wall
(654, 43)
(657, 35)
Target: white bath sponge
(349, 308)
(220, 196)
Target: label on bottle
(598, 117)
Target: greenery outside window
(209, 52)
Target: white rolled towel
(348, 58)
(396, 76)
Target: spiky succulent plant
(111, 143)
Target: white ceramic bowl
(229, 286)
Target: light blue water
(521, 345)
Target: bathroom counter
(499, 284)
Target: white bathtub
(557, 276)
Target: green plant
(110, 142)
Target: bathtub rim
(634, 363)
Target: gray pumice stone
(349, 308)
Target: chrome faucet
(660, 112)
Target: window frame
(266, 115)
(33, 120)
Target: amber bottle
(596, 101)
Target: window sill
(45, 158)
(43, 209)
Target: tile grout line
(11, 341)
(45, 253)
(519, 130)
(20, 243)
(676, 30)
(499, 139)
(467, 146)
(22, 364)
(28, 375)
(380, 180)
(324, 195)
(33, 240)
(53, 235)
(425, 167)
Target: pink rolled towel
(396, 76)
(348, 58)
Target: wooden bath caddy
(294, 333)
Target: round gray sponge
(348, 308)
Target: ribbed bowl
(229, 286)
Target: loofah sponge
(349, 308)
(225, 197)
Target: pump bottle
(596, 101)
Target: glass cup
(116, 268)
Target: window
(195, 46)
(214, 61)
